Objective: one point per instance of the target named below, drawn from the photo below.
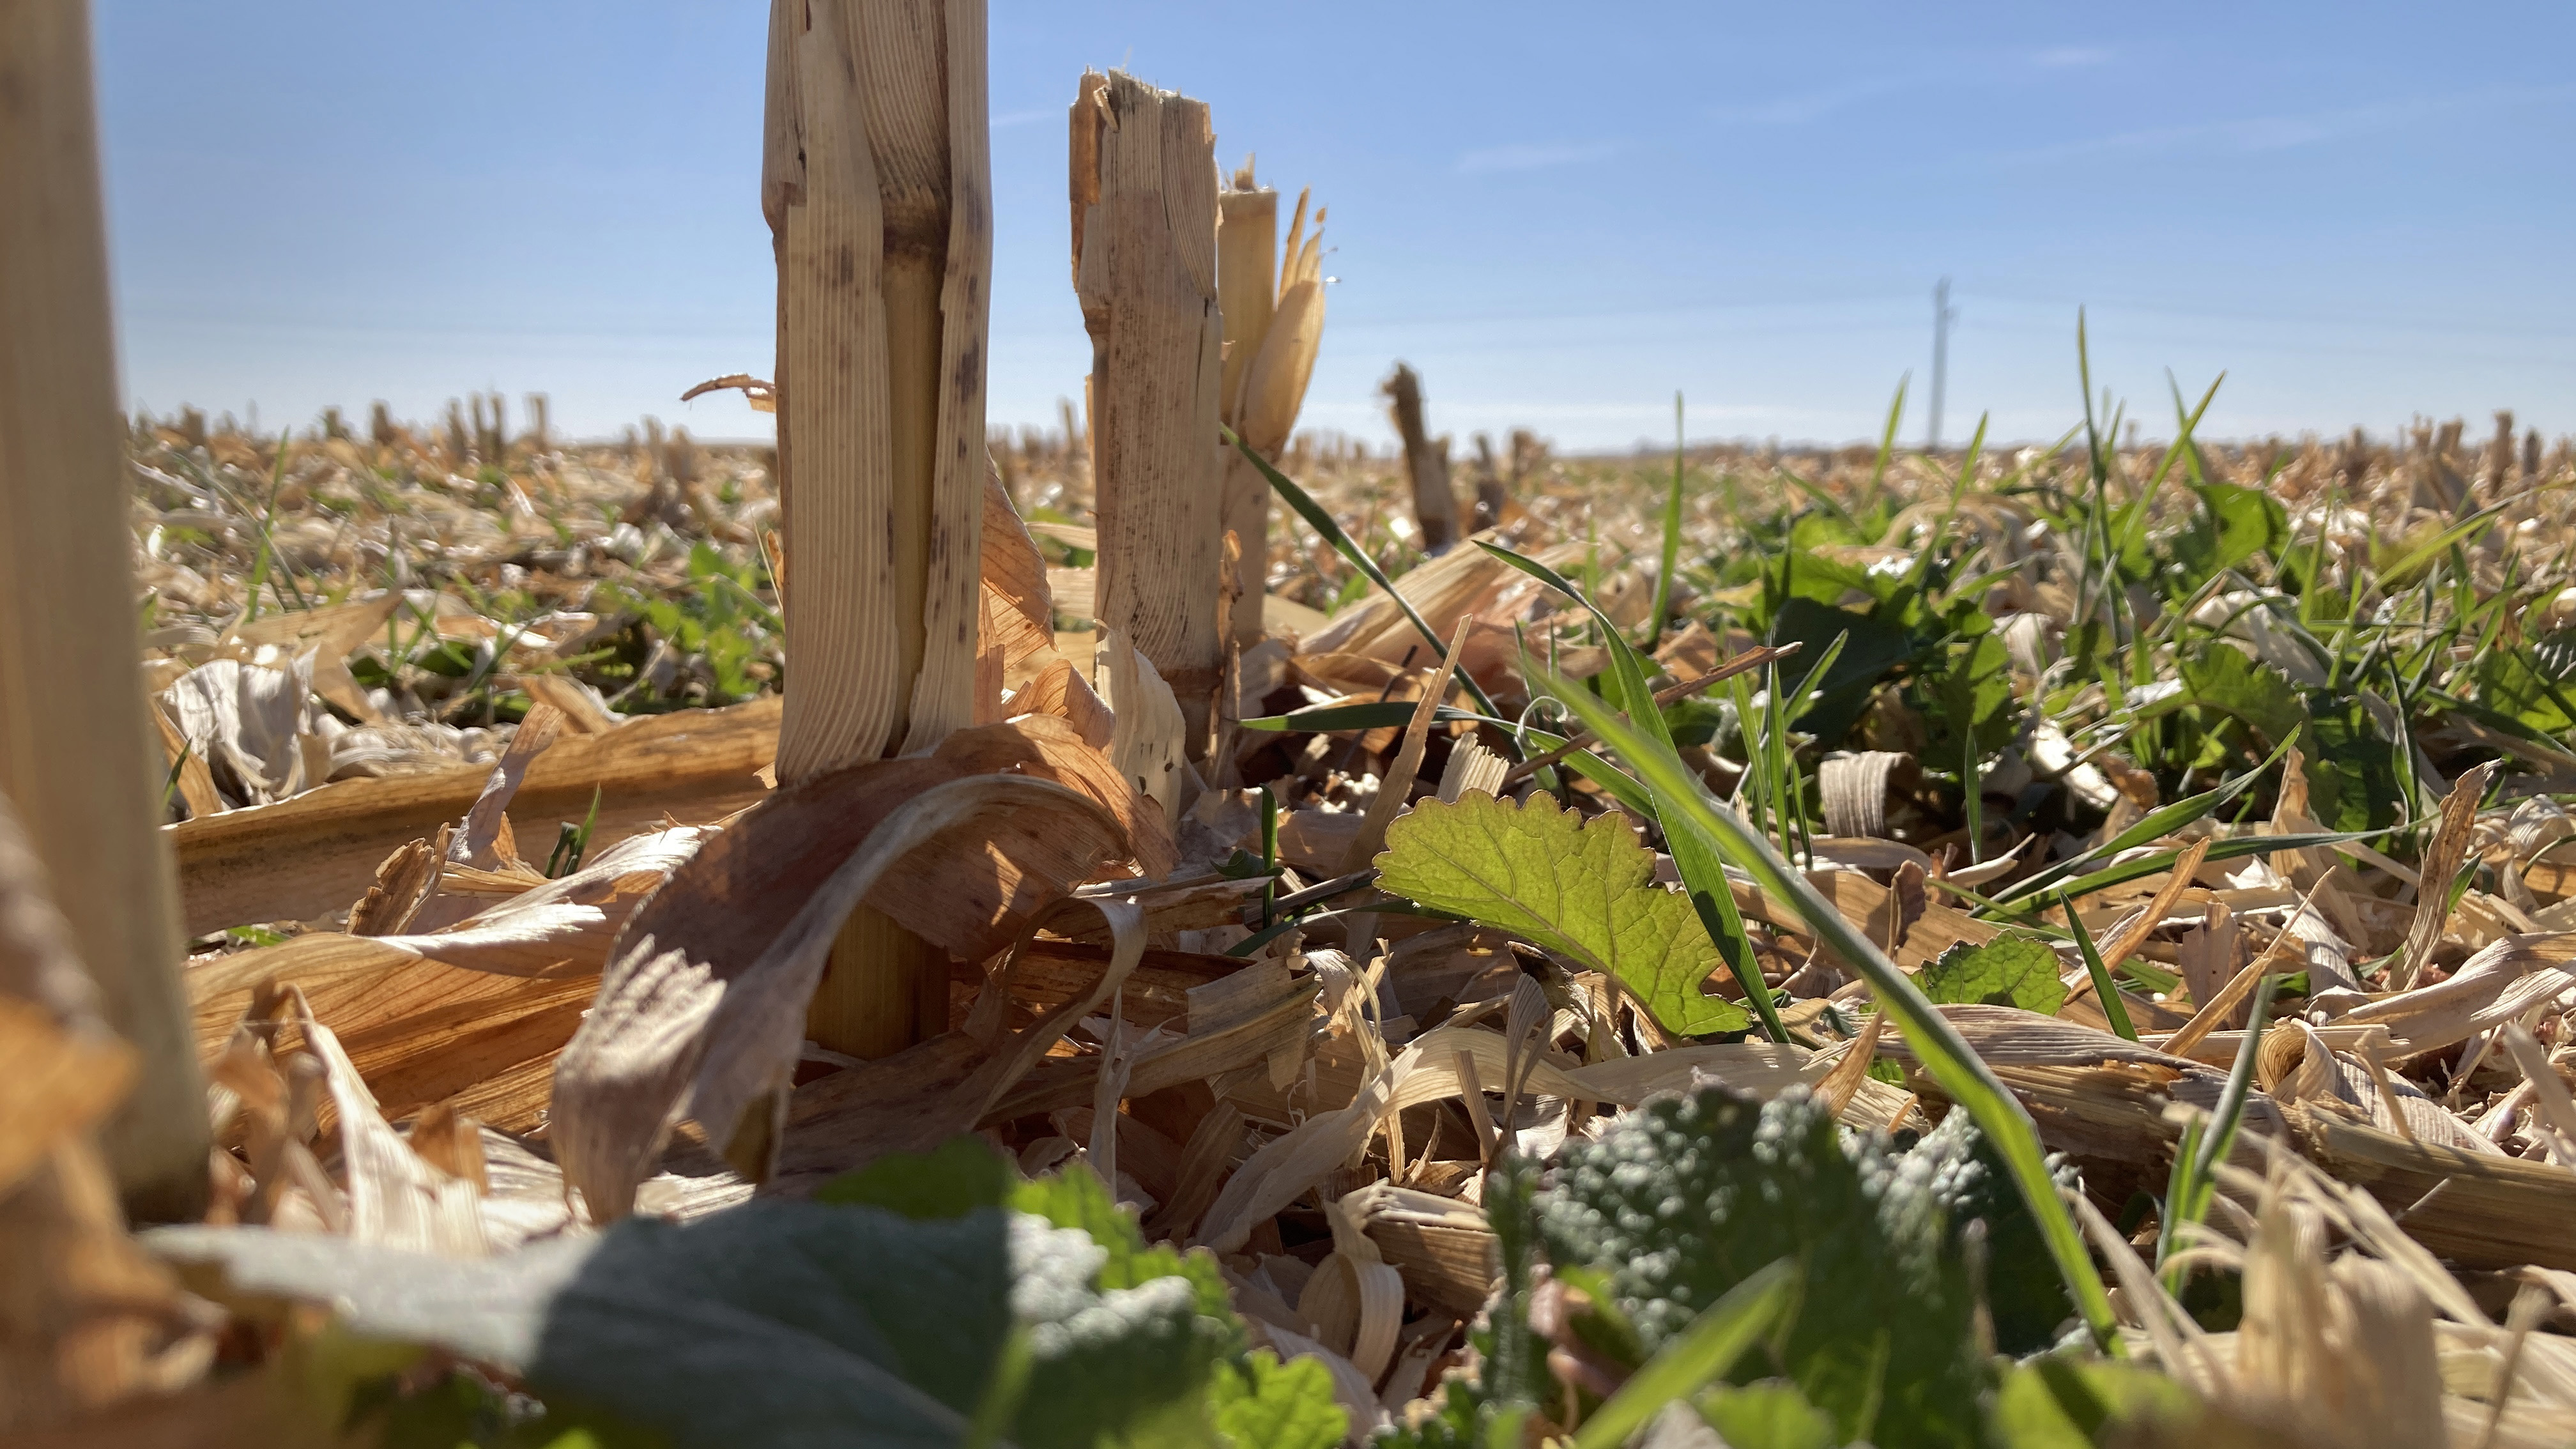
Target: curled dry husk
(702, 1009)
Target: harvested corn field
(1175, 929)
(2225, 707)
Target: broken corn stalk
(1144, 189)
(876, 181)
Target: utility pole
(1942, 316)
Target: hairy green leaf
(1583, 888)
(2006, 971)
(858, 1325)
(1684, 1199)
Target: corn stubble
(875, 180)
(1144, 188)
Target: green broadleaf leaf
(788, 1323)
(1077, 1198)
(1873, 648)
(1583, 888)
(2225, 678)
(1695, 860)
(2535, 683)
(2235, 524)
(1261, 1403)
(1686, 1200)
(2006, 971)
(1680, 794)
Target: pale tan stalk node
(78, 757)
(877, 185)
(1144, 193)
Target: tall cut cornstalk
(1274, 321)
(877, 185)
(1145, 267)
(78, 756)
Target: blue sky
(1559, 214)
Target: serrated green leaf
(1695, 858)
(2226, 679)
(2006, 971)
(1582, 888)
(1261, 1403)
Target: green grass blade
(1823, 499)
(1375, 715)
(1887, 438)
(1972, 792)
(1810, 683)
(1672, 553)
(170, 783)
(2162, 860)
(1705, 1351)
(1322, 522)
(2113, 1008)
(1269, 853)
(1943, 1052)
(2240, 1083)
(2399, 574)
(2205, 1145)
(2162, 821)
(1695, 859)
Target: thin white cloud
(2251, 134)
(1496, 159)
(2065, 57)
(1800, 109)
